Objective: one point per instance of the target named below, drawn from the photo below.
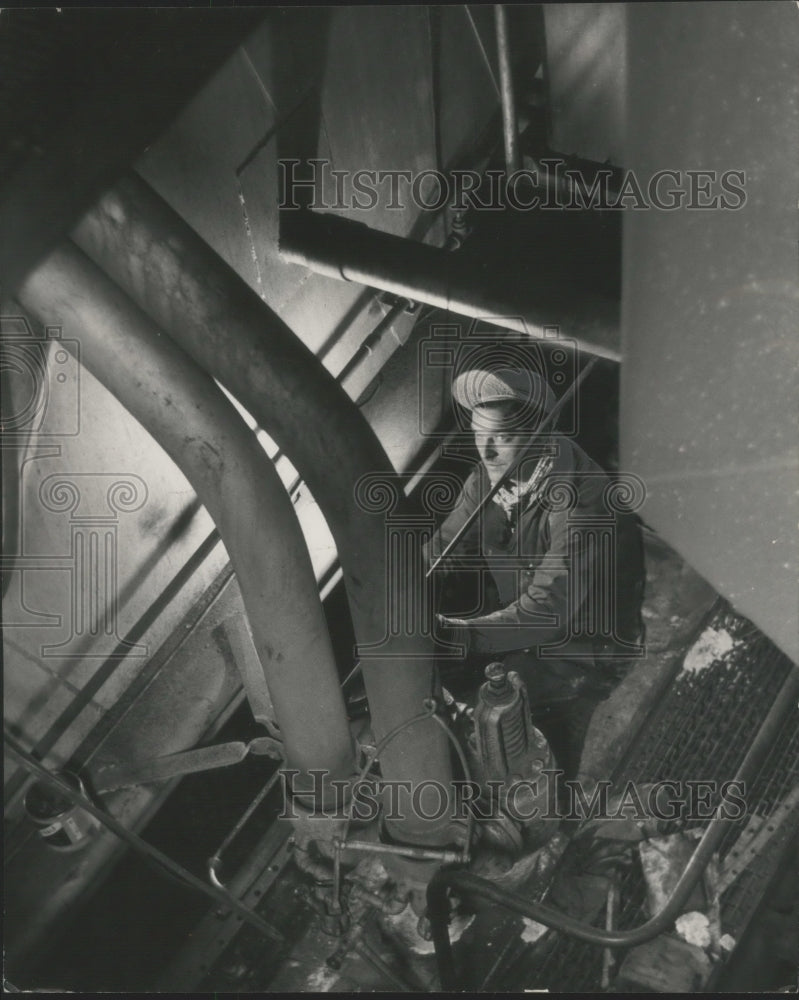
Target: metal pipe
(351, 251)
(208, 309)
(372, 341)
(214, 863)
(473, 885)
(189, 416)
(391, 905)
(513, 158)
(142, 846)
(420, 853)
(15, 444)
(608, 959)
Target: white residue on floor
(321, 980)
(711, 645)
(405, 924)
(532, 930)
(694, 927)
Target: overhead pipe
(181, 283)
(513, 159)
(351, 251)
(190, 417)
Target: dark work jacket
(568, 572)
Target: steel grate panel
(700, 731)
(780, 775)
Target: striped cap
(480, 386)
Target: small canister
(63, 825)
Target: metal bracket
(114, 776)
(239, 637)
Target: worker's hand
(454, 632)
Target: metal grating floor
(700, 731)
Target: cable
(429, 713)
(137, 843)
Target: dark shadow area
(123, 936)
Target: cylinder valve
(508, 744)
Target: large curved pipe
(177, 279)
(189, 416)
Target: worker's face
(498, 438)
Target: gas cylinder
(509, 746)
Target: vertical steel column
(189, 416)
(513, 160)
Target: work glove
(454, 632)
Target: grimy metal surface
(40, 890)
(351, 251)
(783, 707)
(700, 730)
(510, 131)
(134, 72)
(709, 309)
(217, 931)
(218, 320)
(112, 776)
(198, 427)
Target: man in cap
(559, 610)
